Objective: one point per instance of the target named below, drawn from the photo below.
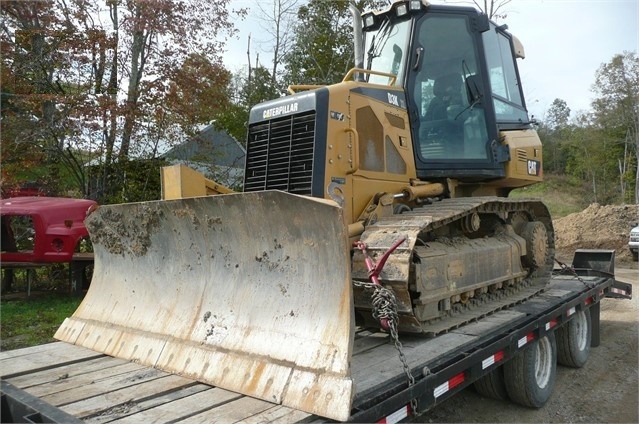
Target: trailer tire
(492, 385)
(530, 376)
(573, 340)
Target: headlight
(57, 244)
(402, 9)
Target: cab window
(506, 92)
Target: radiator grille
(280, 154)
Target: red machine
(42, 229)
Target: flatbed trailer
(60, 382)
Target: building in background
(214, 153)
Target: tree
(197, 92)
(590, 157)
(111, 80)
(558, 114)
(493, 8)
(234, 118)
(278, 22)
(616, 110)
(554, 131)
(323, 49)
(32, 37)
(159, 36)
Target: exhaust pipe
(358, 39)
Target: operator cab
(461, 82)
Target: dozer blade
(249, 292)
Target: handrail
(355, 150)
(350, 73)
(291, 88)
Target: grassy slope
(560, 195)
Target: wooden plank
(237, 410)
(382, 364)
(84, 380)
(8, 354)
(367, 341)
(57, 348)
(277, 414)
(136, 406)
(116, 398)
(65, 372)
(182, 408)
(103, 386)
(47, 358)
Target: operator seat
(437, 126)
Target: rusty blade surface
(249, 292)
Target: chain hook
(375, 269)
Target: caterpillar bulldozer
(397, 178)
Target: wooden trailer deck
(96, 388)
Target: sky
(565, 41)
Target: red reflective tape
(589, 300)
(456, 381)
(449, 385)
(550, 324)
(492, 359)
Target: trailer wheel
(530, 376)
(492, 385)
(573, 340)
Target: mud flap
(601, 262)
(249, 292)
(595, 259)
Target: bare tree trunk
(636, 137)
(109, 119)
(280, 28)
(248, 58)
(637, 169)
(622, 183)
(141, 40)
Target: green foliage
(616, 111)
(74, 86)
(323, 52)
(129, 181)
(558, 114)
(256, 89)
(233, 119)
(599, 149)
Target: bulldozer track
(417, 226)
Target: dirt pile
(596, 227)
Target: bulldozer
(378, 202)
